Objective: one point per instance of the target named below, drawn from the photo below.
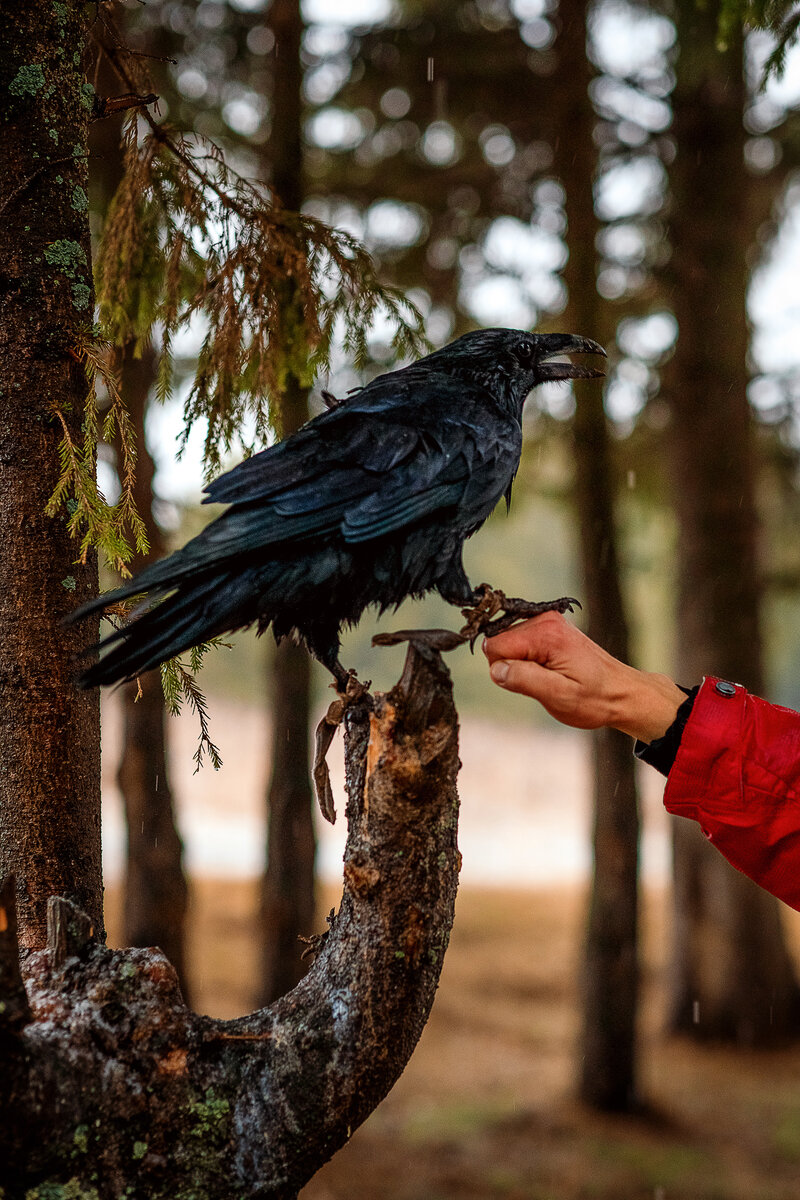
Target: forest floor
(486, 1110)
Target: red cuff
(737, 772)
(705, 776)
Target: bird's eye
(525, 352)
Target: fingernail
(499, 672)
(485, 645)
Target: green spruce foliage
(188, 239)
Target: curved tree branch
(114, 1083)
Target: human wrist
(647, 705)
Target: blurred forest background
(616, 170)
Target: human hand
(579, 683)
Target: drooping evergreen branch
(113, 529)
(180, 685)
(189, 238)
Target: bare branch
(109, 106)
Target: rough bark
(49, 732)
(155, 888)
(607, 1077)
(287, 897)
(732, 977)
(114, 1084)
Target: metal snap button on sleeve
(723, 688)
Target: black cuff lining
(661, 752)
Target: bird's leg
(349, 691)
(486, 601)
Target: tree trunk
(732, 977)
(251, 1107)
(610, 969)
(287, 898)
(155, 889)
(49, 731)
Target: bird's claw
(353, 691)
(490, 601)
(515, 609)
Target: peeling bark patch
(413, 937)
(173, 1063)
(361, 879)
(381, 728)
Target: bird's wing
(374, 429)
(405, 447)
(392, 476)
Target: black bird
(368, 503)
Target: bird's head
(511, 362)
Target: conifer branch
(185, 240)
(180, 685)
(106, 527)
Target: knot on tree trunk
(111, 1083)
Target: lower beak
(566, 343)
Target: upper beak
(567, 343)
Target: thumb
(526, 678)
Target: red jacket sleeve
(737, 772)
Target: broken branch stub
(121, 1086)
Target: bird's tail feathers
(193, 614)
(156, 580)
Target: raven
(368, 503)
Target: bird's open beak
(567, 343)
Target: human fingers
(535, 639)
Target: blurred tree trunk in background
(155, 888)
(287, 897)
(610, 969)
(155, 891)
(732, 977)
